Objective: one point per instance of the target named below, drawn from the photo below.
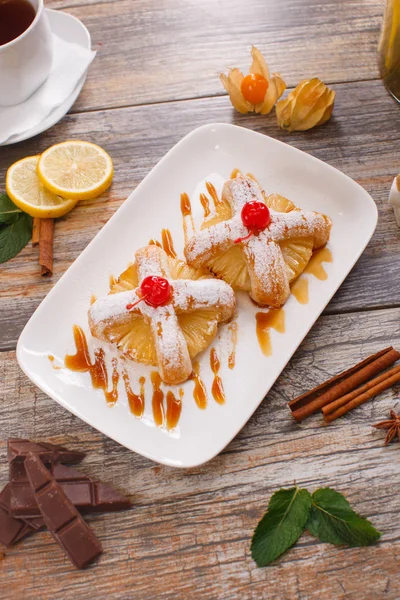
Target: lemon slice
(76, 169)
(28, 193)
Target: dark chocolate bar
(18, 449)
(12, 529)
(60, 516)
(87, 495)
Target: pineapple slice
(134, 337)
(296, 253)
(199, 328)
(231, 265)
(128, 280)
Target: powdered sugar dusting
(244, 189)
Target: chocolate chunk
(86, 494)
(18, 449)
(11, 529)
(60, 516)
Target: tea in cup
(26, 49)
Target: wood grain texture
(173, 49)
(189, 532)
(364, 146)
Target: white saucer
(72, 30)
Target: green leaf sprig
(15, 229)
(326, 514)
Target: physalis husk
(258, 85)
(308, 105)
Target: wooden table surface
(155, 79)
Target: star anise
(392, 425)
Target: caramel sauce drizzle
(233, 329)
(199, 391)
(167, 243)
(299, 290)
(157, 400)
(217, 388)
(235, 173)
(98, 371)
(205, 204)
(52, 359)
(93, 297)
(213, 193)
(186, 207)
(265, 321)
(186, 210)
(174, 408)
(154, 242)
(315, 267)
(136, 401)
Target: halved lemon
(28, 193)
(76, 169)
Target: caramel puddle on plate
(136, 401)
(315, 267)
(186, 210)
(199, 390)
(299, 290)
(265, 321)
(174, 409)
(98, 370)
(167, 243)
(157, 399)
(233, 330)
(217, 388)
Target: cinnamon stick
(361, 398)
(46, 247)
(345, 382)
(330, 408)
(36, 231)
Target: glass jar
(389, 48)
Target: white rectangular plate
(210, 152)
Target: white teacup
(25, 62)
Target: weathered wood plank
(189, 532)
(366, 147)
(174, 49)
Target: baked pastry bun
(162, 312)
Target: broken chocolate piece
(18, 449)
(87, 495)
(60, 516)
(12, 529)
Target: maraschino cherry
(154, 290)
(256, 217)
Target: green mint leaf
(333, 520)
(282, 524)
(14, 236)
(9, 213)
